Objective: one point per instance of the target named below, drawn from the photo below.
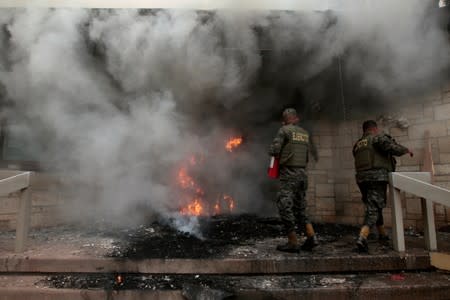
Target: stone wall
(46, 201)
(334, 195)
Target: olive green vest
(294, 153)
(367, 157)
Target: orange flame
(230, 200)
(194, 203)
(191, 189)
(233, 143)
(119, 279)
(184, 180)
(195, 208)
(224, 202)
(217, 208)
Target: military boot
(361, 241)
(292, 245)
(363, 246)
(311, 239)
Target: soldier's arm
(277, 143)
(387, 144)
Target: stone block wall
(46, 202)
(334, 195)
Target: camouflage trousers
(291, 198)
(374, 198)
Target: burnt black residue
(187, 282)
(218, 234)
(129, 281)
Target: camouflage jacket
(385, 145)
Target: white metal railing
(416, 183)
(19, 181)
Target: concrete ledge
(71, 294)
(376, 286)
(285, 264)
(406, 292)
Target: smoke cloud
(119, 99)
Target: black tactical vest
(367, 157)
(294, 152)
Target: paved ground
(220, 241)
(408, 286)
(101, 251)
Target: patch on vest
(360, 144)
(300, 137)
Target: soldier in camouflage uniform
(292, 145)
(374, 158)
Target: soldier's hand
(411, 154)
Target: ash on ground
(224, 287)
(226, 236)
(218, 235)
(226, 284)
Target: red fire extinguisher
(274, 167)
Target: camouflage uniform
(291, 198)
(373, 181)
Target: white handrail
(417, 183)
(421, 189)
(14, 183)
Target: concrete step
(275, 264)
(70, 263)
(415, 285)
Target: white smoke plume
(118, 99)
